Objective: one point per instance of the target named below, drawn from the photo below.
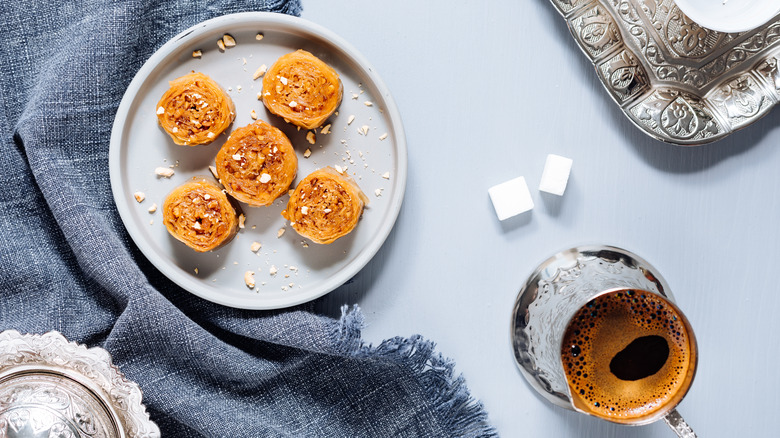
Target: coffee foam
(603, 328)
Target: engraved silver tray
(50, 387)
(675, 80)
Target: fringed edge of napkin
(461, 414)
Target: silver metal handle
(678, 425)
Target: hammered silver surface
(50, 387)
(677, 81)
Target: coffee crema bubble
(626, 355)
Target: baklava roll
(302, 89)
(257, 164)
(195, 110)
(325, 206)
(199, 214)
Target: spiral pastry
(195, 110)
(325, 206)
(257, 164)
(302, 89)
(199, 214)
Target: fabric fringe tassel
(463, 416)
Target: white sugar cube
(511, 198)
(555, 175)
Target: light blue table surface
(488, 89)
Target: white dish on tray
(730, 15)
(305, 270)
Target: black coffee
(626, 355)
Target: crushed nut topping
(160, 111)
(293, 104)
(283, 80)
(264, 178)
(304, 210)
(210, 134)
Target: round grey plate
(366, 139)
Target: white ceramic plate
(305, 270)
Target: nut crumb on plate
(280, 232)
(197, 53)
(260, 72)
(255, 246)
(306, 154)
(310, 137)
(164, 172)
(249, 279)
(228, 40)
(153, 208)
(139, 196)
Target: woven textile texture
(67, 263)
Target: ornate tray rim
(90, 367)
(746, 90)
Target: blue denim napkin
(67, 263)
